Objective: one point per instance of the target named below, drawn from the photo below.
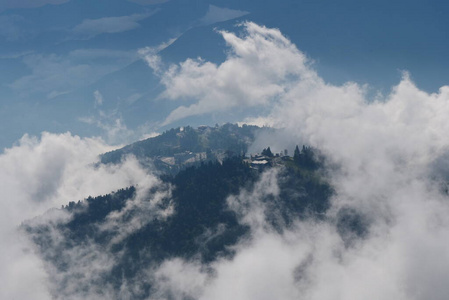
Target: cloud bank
(386, 161)
(38, 174)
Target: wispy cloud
(53, 74)
(151, 55)
(15, 55)
(8, 4)
(90, 28)
(112, 124)
(217, 14)
(98, 98)
(40, 173)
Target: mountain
(183, 146)
(125, 236)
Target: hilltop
(189, 214)
(178, 148)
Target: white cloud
(149, 135)
(15, 55)
(113, 125)
(54, 94)
(386, 157)
(217, 14)
(258, 69)
(179, 280)
(90, 28)
(114, 128)
(151, 55)
(260, 121)
(98, 98)
(54, 75)
(41, 173)
(386, 160)
(133, 98)
(143, 209)
(49, 171)
(22, 274)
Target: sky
(57, 56)
(366, 83)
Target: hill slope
(200, 214)
(177, 148)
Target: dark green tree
(297, 155)
(308, 159)
(267, 152)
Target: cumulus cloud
(386, 157)
(257, 70)
(90, 28)
(40, 173)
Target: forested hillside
(188, 215)
(181, 147)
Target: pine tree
(267, 152)
(297, 155)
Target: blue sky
(58, 57)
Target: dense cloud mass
(257, 71)
(387, 160)
(38, 174)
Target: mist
(39, 174)
(386, 158)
